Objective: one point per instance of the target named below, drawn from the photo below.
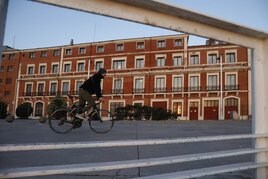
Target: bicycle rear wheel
(101, 121)
(59, 121)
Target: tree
(3, 109)
(24, 110)
(57, 103)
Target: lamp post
(221, 89)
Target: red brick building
(158, 71)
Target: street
(31, 131)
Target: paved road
(31, 131)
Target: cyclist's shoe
(70, 118)
(80, 116)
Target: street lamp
(221, 89)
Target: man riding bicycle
(87, 89)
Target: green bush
(24, 110)
(57, 103)
(137, 112)
(3, 110)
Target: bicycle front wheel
(59, 121)
(101, 121)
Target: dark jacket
(93, 85)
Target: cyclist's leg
(82, 101)
(90, 100)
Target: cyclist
(87, 89)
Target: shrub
(3, 110)
(136, 112)
(24, 110)
(57, 103)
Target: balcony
(177, 89)
(212, 88)
(117, 91)
(194, 88)
(138, 90)
(231, 87)
(160, 90)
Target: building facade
(206, 82)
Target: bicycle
(64, 120)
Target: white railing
(102, 166)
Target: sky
(35, 25)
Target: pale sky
(35, 25)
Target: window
(212, 84)
(177, 108)
(77, 86)
(11, 56)
(139, 62)
(160, 84)
(1, 68)
(119, 64)
(138, 86)
(38, 109)
(8, 81)
(68, 51)
(98, 65)
(81, 66)
(231, 82)
(53, 88)
(230, 58)
(1, 80)
(55, 68)
(65, 88)
(161, 43)
(119, 47)
(7, 93)
(100, 49)
(160, 61)
(30, 70)
(194, 83)
(231, 102)
(32, 55)
(56, 53)
(67, 67)
(82, 50)
(140, 45)
(177, 42)
(3, 56)
(211, 103)
(42, 69)
(28, 90)
(40, 89)
(118, 86)
(43, 54)
(177, 84)
(212, 59)
(194, 59)
(9, 68)
(177, 61)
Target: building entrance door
(211, 110)
(193, 111)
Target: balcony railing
(117, 91)
(138, 90)
(177, 89)
(194, 88)
(212, 88)
(160, 90)
(231, 87)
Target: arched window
(38, 109)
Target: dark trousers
(85, 96)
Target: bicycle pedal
(77, 123)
